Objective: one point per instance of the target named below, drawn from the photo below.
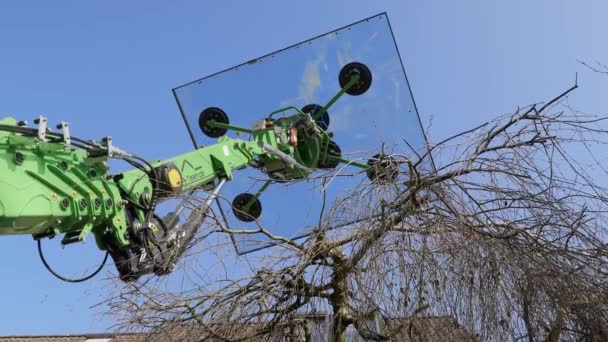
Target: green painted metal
(212, 123)
(283, 110)
(350, 162)
(347, 86)
(50, 186)
(256, 196)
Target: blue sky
(108, 68)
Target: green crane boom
(54, 184)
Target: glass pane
(384, 117)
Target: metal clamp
(66, 132)
(287, 159)
(112, 151)
(107, 144)
(42, 123)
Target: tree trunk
(339, 298)
(558, 325)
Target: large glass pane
(384, 117)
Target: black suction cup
(239, 203)
(313, 109)
(382, 169)
(332, 150)
(212, 114)
(352, 69)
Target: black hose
(69, 280)
(154, 177)
(33, 132)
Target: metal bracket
(66, 132)
(287, 159)
(107, 143)
(110, 150)
(218, 164)
(42, 123)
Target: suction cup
(349, 71)
(323, 120)
(212, 114)
(332, 150)
(382, 169)
(238, 208)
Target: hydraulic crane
(55, 184)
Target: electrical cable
(69, 280)
(83, 144)
(154, 177)
(136, 165)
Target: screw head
(65, 203)
(63, 166)
(144, 199)
(19, 158)
(109, 203)
(83, 203)
(97, 203)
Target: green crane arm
(52, 183)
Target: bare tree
(506, 236)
